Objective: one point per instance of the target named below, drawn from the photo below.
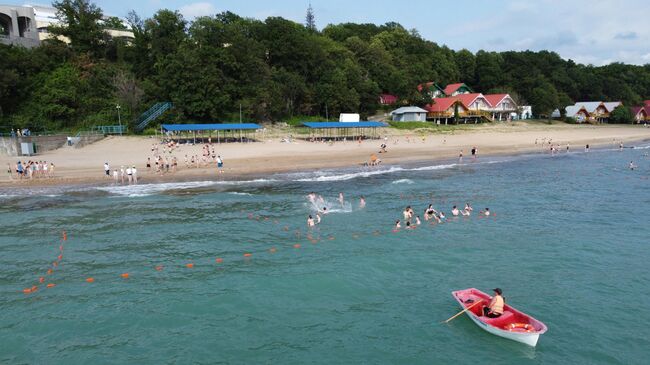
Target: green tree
(80, 23)
(621, 114)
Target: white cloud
(595, 32)
(194, 10)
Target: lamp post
(119, 119)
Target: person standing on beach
(129, 174)
(116, 176)
(587, 148)
(134, 171)
(11, 175)
(107, 169)
(460, 156)
(122, 173)
(220, 164)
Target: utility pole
(119, 119)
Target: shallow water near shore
(568, 244)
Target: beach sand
(85, 165)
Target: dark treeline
(274, 69)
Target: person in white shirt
(134, 171)
(129, 174)
(107, 169)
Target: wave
(238, 193)
(133, 191)
(403, 181)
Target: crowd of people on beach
(30, 170)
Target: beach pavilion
(224, 132)
(340, 130)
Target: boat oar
(463, 311)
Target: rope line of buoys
(311, 235)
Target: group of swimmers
(412, 220)
(31, 170)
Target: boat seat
(504, 319)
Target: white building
(28, 25)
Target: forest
(213, 67)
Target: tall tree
(310, 19)
(80, 23)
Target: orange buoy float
(159, 268)
(297, 245)
(190, 266)
(65, 236)
(520, 327)
(125, 275)
(27, 290)
(34, 288)
(272, 250)
(41, 280)
(60, 257)
(90, 280)
(218, 260)
(50, 285)
(248, 254)
(49, 271)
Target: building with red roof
(387, 99)
(456, 89)
(640, 114)
(646, 103)
(502, 106)
(432, 89)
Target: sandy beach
(85, 165)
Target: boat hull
(500, 326)
(529, 339)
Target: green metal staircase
(152, 114)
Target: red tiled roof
(495, 99)
(387, 99)
(636, 109)
(468, 99)
(441, 104)
(452, 87)
(646, 103)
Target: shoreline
(261, 159)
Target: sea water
(567, 242)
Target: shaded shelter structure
(338, 130)
(234, 132)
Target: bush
(621, 114)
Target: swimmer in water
(408, 225)
(310, 221)
(486, 212)
(341, 200)
(312, 197)
(362, 202)
(417, 220)
(632, 165)
(324, 211)
(318, 218)
(398, 225)
(468, 207)
(454, 211)
(407, 213)
(441, 216)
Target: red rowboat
(512, 324)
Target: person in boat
(495, 308)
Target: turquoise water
(568, 245)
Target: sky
(587, 31)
